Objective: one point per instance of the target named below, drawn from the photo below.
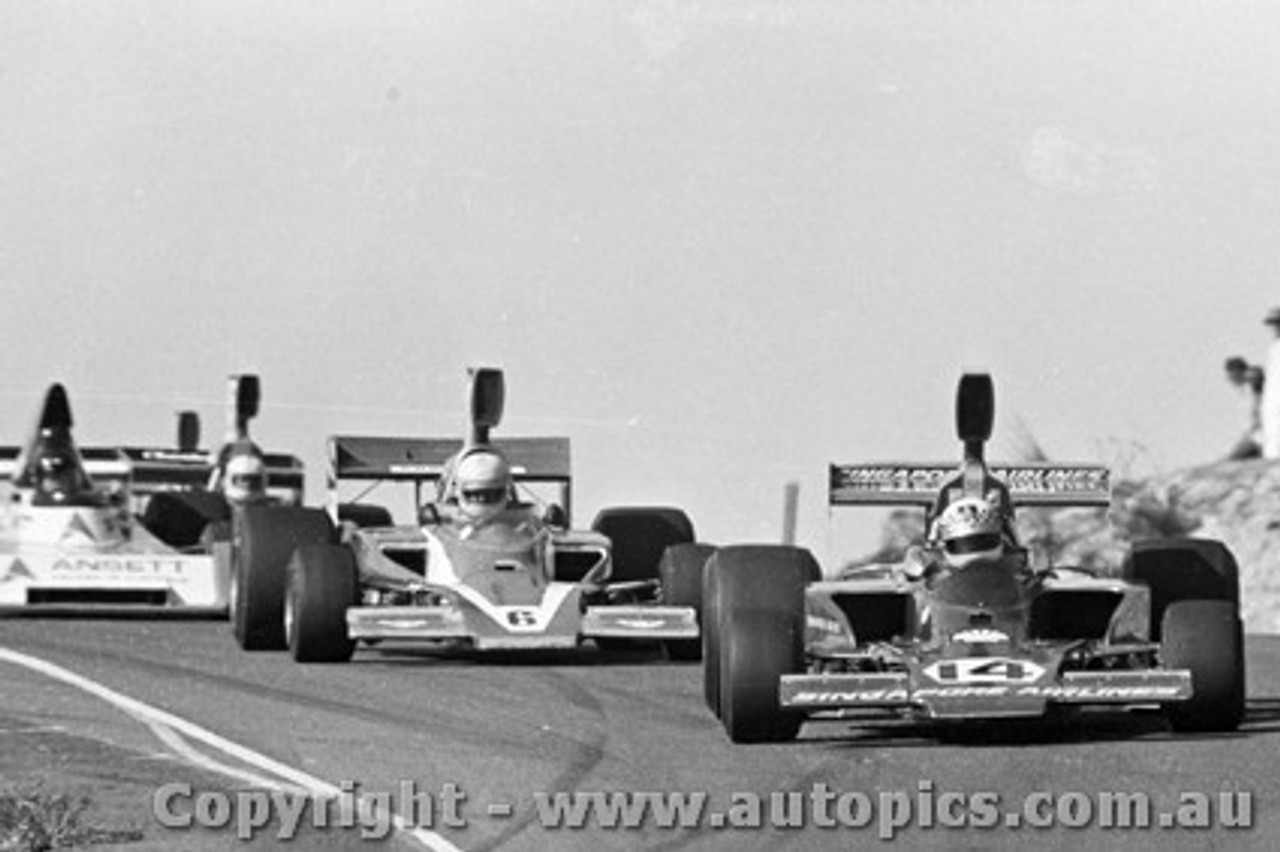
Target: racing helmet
(483, 484)
(969, 530)
(245, 477)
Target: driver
(482, 484)
(241, 473)
(970, 530)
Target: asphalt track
(503, 730)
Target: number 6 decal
(522, 618)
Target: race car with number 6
(969, 627)
(488, 560)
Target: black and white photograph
(499, 425)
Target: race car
(489, 560)
(113, 528)
(969, 628)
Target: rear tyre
(711, 636)
(180, 518)
(680, 573)
(1182, 569)
(264, 539)
(639, 535)
(322, 585)
(1207, 637)
(760, 618)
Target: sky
(719, 244)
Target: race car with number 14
(969, 628)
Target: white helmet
(245, 478)
(483, 484)
(969, 529)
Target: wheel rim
(288, 618)
(233, 592)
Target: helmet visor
(484, 496)
(249, 481)
(973, 544)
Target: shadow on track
(417, 654)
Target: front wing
(981, 701)
(558, 621)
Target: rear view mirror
(188, 431)
(975, 408)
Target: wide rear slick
(754, 624)
(639, 537)
(1195, 616)
(264, 540)
(680, 573)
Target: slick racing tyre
(321, 586)
(639, 535)
(711, 636)
(1182, 569)
(264, 539)
(680, 573)
(1206, 636)
(180, 518)
(760, 619)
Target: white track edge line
(152, 716)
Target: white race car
(115, 528)
(512, 576)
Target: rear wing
(913, 484)
(146, 471)
(154, 469)
(423, 459)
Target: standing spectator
(1250, 379)
(1271, 392)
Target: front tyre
(1206, 637)
(322, 585)
(760, 630)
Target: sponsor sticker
(641, 623)
(410, 469)
(118, 566)
(984, 670)
(1049, 692)
(16, 569)
(405, 623)
(980, 636)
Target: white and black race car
(322, 581)
(127, 529)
